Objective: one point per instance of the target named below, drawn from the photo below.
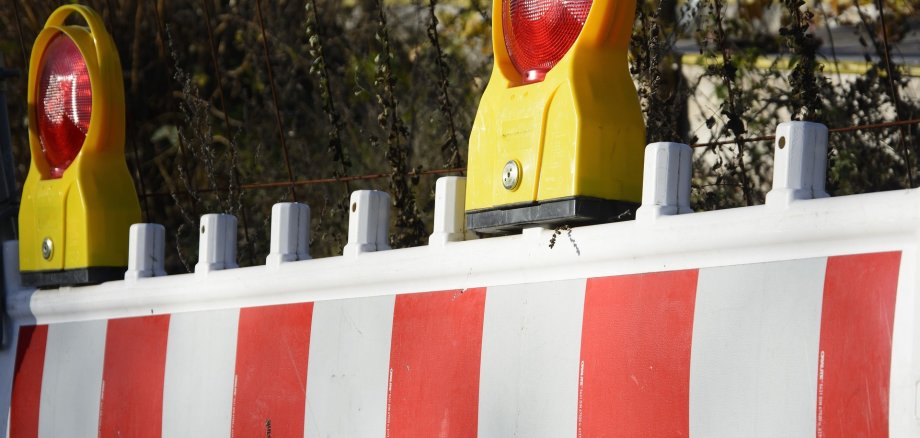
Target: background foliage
(225, 95)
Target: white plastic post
(217, 243)
(368, 222)
(290, 235)
(449, 220)
(382, 206)
(665, 181)
(799, 163)
(146, 251)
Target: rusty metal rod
(372, 176)
(307, 182)
(271, 82)
(893, 124)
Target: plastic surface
(146, 251)
(86, 212)
(578, 132)
(799, 163)
(216, 243)
(368, 222)
(667, 177)
(538, 33)
(290, 233)
(449, 224)
(64, 103)
(578, 210)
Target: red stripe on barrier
(434, 364)
(132, 377)
(273, 346)
(854, 359)
(635, 355)
(27, 381)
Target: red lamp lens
(64, 103)
(538, 33)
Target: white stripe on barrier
(531, 344)
(754, 356)
(72, 380)
(347, 373)
(198, 381)
(904, 398)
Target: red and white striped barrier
(791, 348)
(798, 318)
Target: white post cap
(146, 251)
(665, 180)
(290, 233)
(449, 214)
(368, 222)
(217, 243)
(799, 163)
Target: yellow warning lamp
(559, 135)
(78, 200)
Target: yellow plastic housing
(86, 212)
(578, 133)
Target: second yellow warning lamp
(559, 134)
(78, 200)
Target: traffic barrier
(795, 318)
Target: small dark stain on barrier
(568, 231)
